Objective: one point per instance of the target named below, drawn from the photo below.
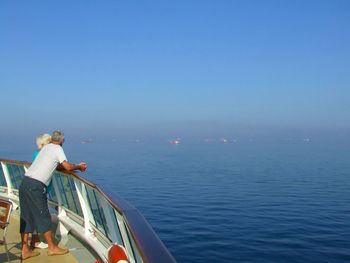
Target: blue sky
(199, 67)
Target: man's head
(57, 137)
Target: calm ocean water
(235, 202)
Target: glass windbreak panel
(51, 190)
(2, 177)
(111, 224)
(119, 239)
(75, 196)
(97, 210)
(58, 183)
(68, 192)
(133, 245)
(119, 235)
(16, 173)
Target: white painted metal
(7, 178)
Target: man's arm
(71, 167)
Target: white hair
(42, 140)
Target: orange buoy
(116, 254)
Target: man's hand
(82, 166)
(71, 167)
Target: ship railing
(99, 218)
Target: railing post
(7, 178)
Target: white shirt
(49, 157)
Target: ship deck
(78, 251)
(88, 220)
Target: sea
(229, 201)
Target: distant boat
(176, 141)
(86, 141)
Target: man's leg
(26, 251)
(35, 240)
(53, 249)
(25, 220)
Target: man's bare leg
(53, 249)
(26, 251)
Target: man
(35, 214)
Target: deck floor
(77, 250)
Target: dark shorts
(35, 215)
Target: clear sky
(195, 66)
